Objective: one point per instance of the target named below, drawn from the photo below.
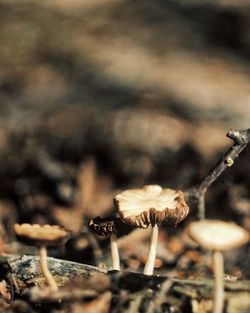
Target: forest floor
(101, 96)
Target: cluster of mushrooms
(150, 206)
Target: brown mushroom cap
(151, 205)
(49, 235)
(105, 226)
(218, 235)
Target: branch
(134, 289)
(26, 270)
(241, 139)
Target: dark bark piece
(26, 270)
(178, 292)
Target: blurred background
(103, 95)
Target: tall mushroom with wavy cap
(43, 236)
(151, 206)
(218, 236)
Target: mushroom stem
(45, 270)
(114, 252)
(149, 267)
(219, 282)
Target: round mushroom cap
(151, 205)
(49, 235)
(218, 235)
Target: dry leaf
(5, 295)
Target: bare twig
(98, 255)
(241, 138)
(38, 295)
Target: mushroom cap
(218, 235)
(49, 235)
(151, 205)
(105, 226)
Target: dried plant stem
(241, 139)
(149, 267)
(219, 282)
(93, 243)
(45, 270)
(114, 252)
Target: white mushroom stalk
(110, 226)
(219, 282)
(149, 266)
(45, 270)
(217, 236)
(114, 252)
(43, 236)
(151, 206)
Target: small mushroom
(151, 206)
(217, 236)
(110, 227)
(43, 237)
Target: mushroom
(151, 206)
(217, 236)
(43, 237)
(110, 227)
